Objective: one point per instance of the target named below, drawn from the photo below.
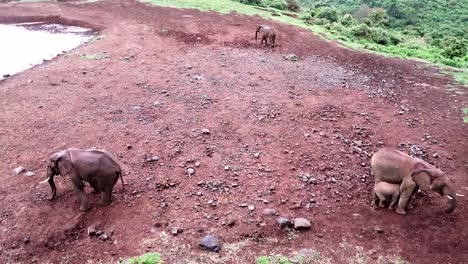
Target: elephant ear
(62, 161)
(424, 177)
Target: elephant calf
(384, 191)
(97, 167)
(268, 35)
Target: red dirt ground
(172, 73)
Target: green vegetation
(148, 258)
(273, 260)
(97, 56)
(465, 115)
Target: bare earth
(172, 73)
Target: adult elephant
(393, 166)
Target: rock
(92, 230)
(291, 57)
(136, 108)
(26, 240)
(197, 164)
(190, 171)
(30, 173)
(230, 222)
(378, 230)
(257, 155)
(251, 207)
(104, 237)
(435, 155)
(206, 131)
(226, 168)
(175, 231)
(301, 223)
(210, 243)
(152, 159)
(283, 222)
(269, 212)
(19, 170)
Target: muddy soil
(178, 89)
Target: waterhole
(25, 45)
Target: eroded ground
(157, 77)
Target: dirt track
(172, 73)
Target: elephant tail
(121, 180)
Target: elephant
(384, 191)
(268, 35)
(95, 166)
(393, 166)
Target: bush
(379, 35)
(337, 28)
(360, 31)
(454, 48)
(293, 5)
(328, 13)
(347, 20)
(307, 17)
(278, 4)
(250, 2)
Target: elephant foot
(85, 207)
(103, 203)
(381, 205)
(400, 211)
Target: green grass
(273, 260)
(97, 56)
(465, 115)
(148, 258)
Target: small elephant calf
(95, 166)
(384, 191)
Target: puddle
(24, 45)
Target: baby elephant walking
(268, 35)
(385, 191)
(97, 167)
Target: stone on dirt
(269, 212)
(301, 223)
(19, 170)
(190, 171)
(251, 207)
(175, 231)
(104, 237)
(30, 174)
(291, 57)
(283, 222)
(92, 230)
(210, 243)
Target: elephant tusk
(461, 195)
(450, 197)
(46, 180)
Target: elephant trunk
(256, 32)
(50, 180)
(450, 192)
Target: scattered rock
(206, 131)
(152, 159)
(30, 173)
(190, 171)
(291, 57)
(197, 164)
(283, 222)
(175, 231)
(226, 168)
(104, 237)
(378, 230)
(301, 223)
(92, 230)
(210, 243)
(19, 170)
(251, 207)
(269, 212)
(136, 108)
(257, 155)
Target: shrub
(328, 13)
(379, 35)
(454, 48)
(360, 31)
(278, 4)
(293, 5)
(305, 17)
(250, 2)
(347, 20)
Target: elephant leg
(94, 186)
(374, 198)
(105, 197)
(406, 189)
(410, 204)
(381, 200)
(393, 202)
(78, 187)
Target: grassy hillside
(435, 31)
